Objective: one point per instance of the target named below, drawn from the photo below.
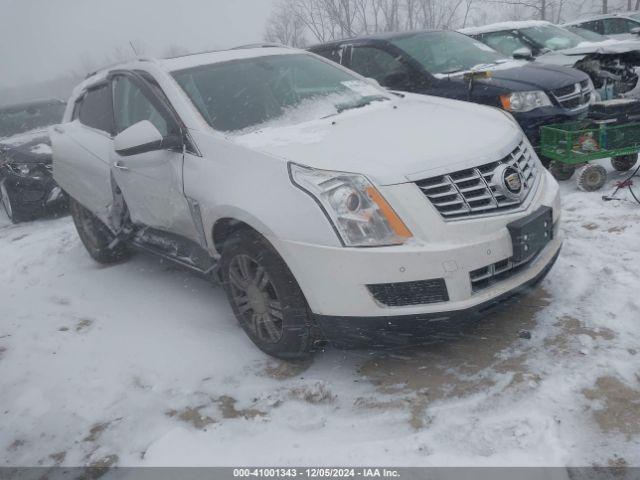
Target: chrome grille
(574, 97)
(470, 192)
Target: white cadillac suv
(330, 208)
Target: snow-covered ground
(143, 364)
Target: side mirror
(523, 53)
(142, 137)
(635, 31)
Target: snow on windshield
(240, 96)
(447, 52)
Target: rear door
(82, 149)
(151, 182)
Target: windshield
(245, 94)
(447, 52)
(587, 34)
(20, 119)
(552, 37)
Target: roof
(590, 18)
(501, 26)
(195, 60)
(385, 36)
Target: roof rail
(107, 67)
(260, 45)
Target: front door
(151, 182)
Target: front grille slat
(575, 96)
(468, 192)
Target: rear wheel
(561, 171)
(591, 177)
(266, 298)
(624, 162)
(96, 236)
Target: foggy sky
(44, 39)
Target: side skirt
(176, 249)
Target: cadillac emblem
(508, 181)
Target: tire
(13, 210)
(96, 236)
(624, 162)
(561, 171)
(591, 177)
(266, 298)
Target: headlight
(357, 210)
(524, 101)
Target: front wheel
(11, 208)
(97, 238)
(266, 298)
(624, 162)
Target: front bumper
(353, 332)
(335, 280)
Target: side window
(595, 26)
(375, 63)
(334, 54)
(95, 111)
(616, 26)
(131, 105)
(504, 42)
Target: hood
(611, 46)
(394, 141)
(32, 147)
(532, 76)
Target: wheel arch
(231, 222)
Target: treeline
(300, 22)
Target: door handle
(120, 166)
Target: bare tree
(285, 25)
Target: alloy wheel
(255, 298)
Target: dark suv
(27, 187)
(449, 64)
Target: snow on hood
(30, 147)
(505, 64)
(610, 46)
(569, 56)
(395, 141)
(499, 26)
(23, 138)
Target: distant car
(27, 187)
(622, 26)
(588, 35)
(328, 206)
(440, 63)
(613, 66)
